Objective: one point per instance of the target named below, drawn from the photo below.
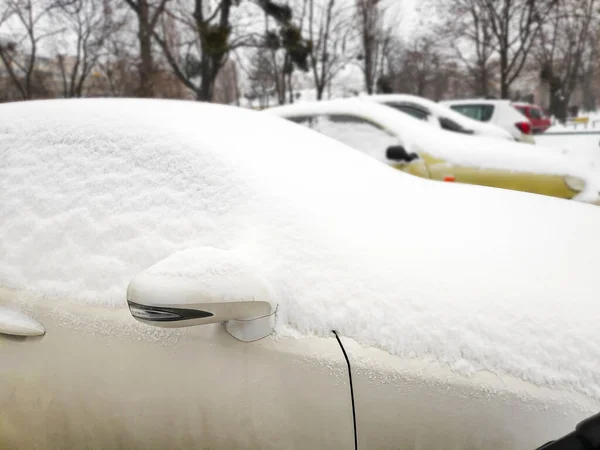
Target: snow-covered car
(439, 115)
(413, 146)
(168, 283)
(498, 112)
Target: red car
(540, 121)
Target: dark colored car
(540, 121)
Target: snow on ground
(95, 191)
(583, 147)
(578, 141)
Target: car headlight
(574, 183)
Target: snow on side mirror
(200, 286)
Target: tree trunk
(205, 93)
(504, 73)
(146, 69)
(320, 89)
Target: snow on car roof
(454, 148)
(95, 191)
(490, 101)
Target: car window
(357, 132)
(413, 110)
(535, 113)
(483, 113)
(307, 121)
(451, 125)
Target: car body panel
(540, 122)
(99, 379)
(500, 112)
(552, 185)
(122, 384)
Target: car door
(98, 379)
(545, 184)
(421, 404)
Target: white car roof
(95, 191)
(455, 148)
(441, 110)
(476, 101)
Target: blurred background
(261, 53)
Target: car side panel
(552, 185)
(417, 167)
(416, 404)
(100, 380)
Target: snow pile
(583, 147)
(94, 191)
(454, 148)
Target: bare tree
(420, 67)
(88, 24)
(469, 33)
(375, 39)
(589, 65)
(330, 32)
(148, 13)
(117, 62)
(197, 42)
(515, 25)
(261, 76)
(508, 27)
(19, 52)
(563, 45)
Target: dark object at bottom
(585, 437)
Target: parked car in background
(540, 121)
(170, 286)
(497, 112)
(439, 115)
(413, 146)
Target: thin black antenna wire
(351, 389)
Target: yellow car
(420, 149)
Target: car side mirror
(399, 153)
(203, 286)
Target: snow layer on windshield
(95, 191)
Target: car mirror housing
(399, 153)
(204, 286)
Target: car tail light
(525, 127)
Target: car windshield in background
(414, 111)
(482, 113)
(535, 113)
(450, 125)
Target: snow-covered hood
(94, 191)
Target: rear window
(483, 113)
(535, 113)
